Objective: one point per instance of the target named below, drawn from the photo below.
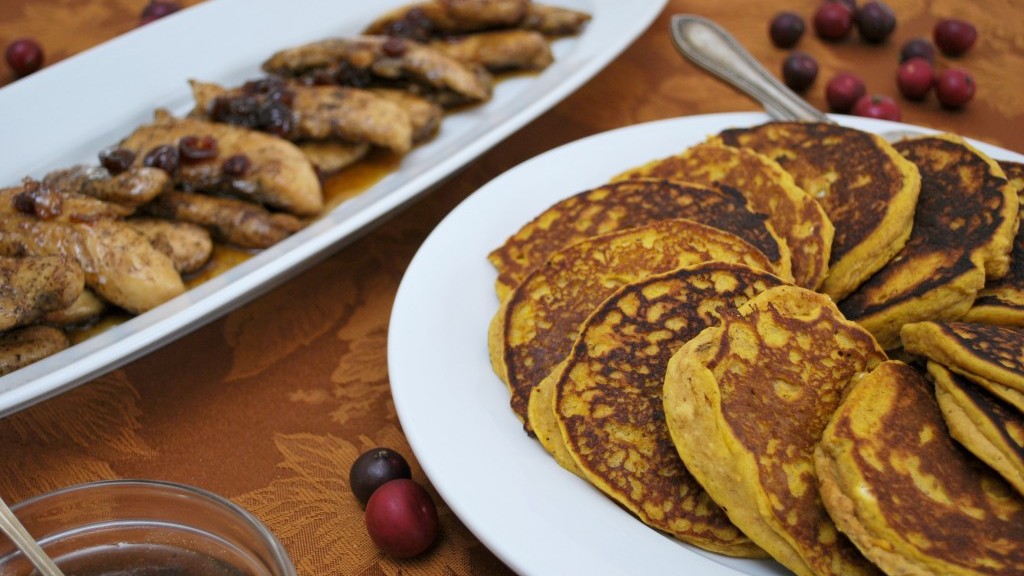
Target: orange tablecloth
(270, 404)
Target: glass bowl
(145, 528)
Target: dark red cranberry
(37, 201)
(954, 87)
(875, 22)
(843, 91)
(786, 29)
(156, 10)
(415, 25)
(954, 37)
(237, 110)
(24, 56)
(236, 166)
(915, 78)
(799, 71)
(373, 468)
(116, 160)
(164, 157)
(833, 21)
(917, 48)
(877, 106)
(401, 518)
(276, 118)
(393, 47)
(197, 148)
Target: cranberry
(401, 518)
(875, 22)
(236, 166)
(954, 37)
(917, 48)
(877, 106)
(954, 87)
(786, 29)
(373, 468)
(156, 10)
(24, 56)
(197, 148)
(799, 70)
(275, 117)
(393, 47)
(833, 21)
(915, 78)
(116, 160)
(164, 157)
(843, 91)
(415, 25)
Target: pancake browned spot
(536, 325)
(992, 356)
(769, 189)
(912, 500)
(625, 205)
(989, 428)
(1002, 301)
(607, 398)
(865, 186)
(964, 226)
(746, 403)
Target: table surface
(291, 387)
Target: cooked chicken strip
(423, 20)
(23, 346)
(34, 199)
(238, 222)
(554, 20)
(133, 187)
(379, 61)
(330, 156)
(316, 112)
(499, 50)
(86, 307)
(425, 115)
(119, 264)
(265, 168)
(188, 245)
(35, 285)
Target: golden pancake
(746, 403)
(625, 205)
(1002, 301)
(607, 398)
(989, 428)
(866, 187)
(964, 226)
(769, 189)
(534, 328)
(911, 499)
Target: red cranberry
(157, 9)
(786, 29)
(197, 148)
(373, 468)
(164, 157)
(915, 78)
(236, 166)
(843, 91)
(24, 56)
(954, 37)
(877, 106)
(917, 48)
(833, 21)
(116, 160)
(401, 518)
(393, 47)
(875, 22)
(799, 70)
(954, 87)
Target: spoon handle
(709, 46)
(12, 527)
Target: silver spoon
(12, 527)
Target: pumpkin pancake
(964, 226)
(989, 428)
(629, 204)
(1002, 301)
(911, 499)
(991, 356)
(746, 403)
(536, 325)
(769, 189)
(868, 190)
(607, 398)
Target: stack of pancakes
(708, 339)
